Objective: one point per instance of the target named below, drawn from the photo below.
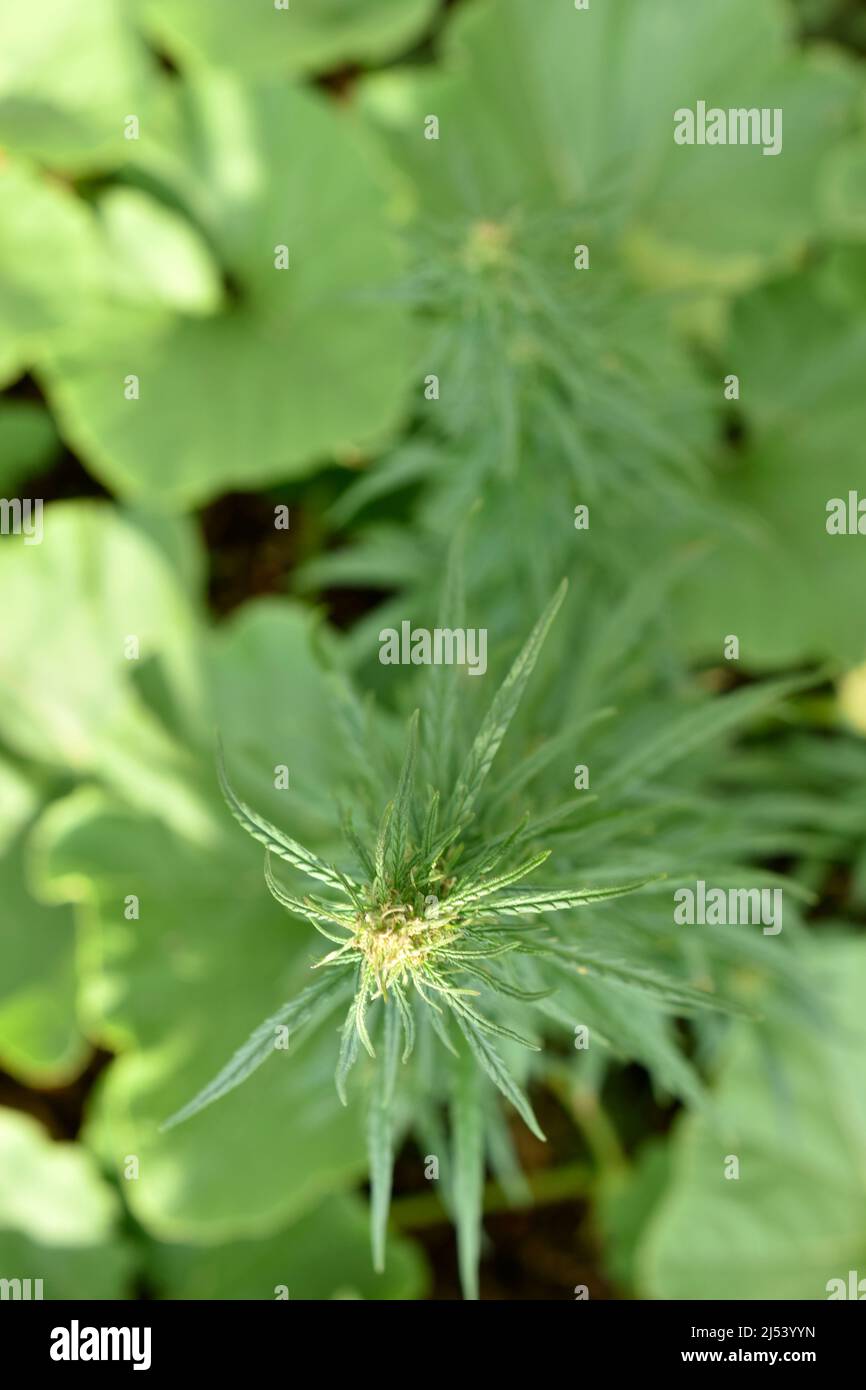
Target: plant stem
(584, 1107)
(420, 1210)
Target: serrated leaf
(274, 840)
(312, 912)
(467, 1167)
(399, 823)
(558, 900)
(380, 1135)
(495, 724)
(476, 891)
(501, 986)
(315, 1003)
(682, 735)
(457, 1001)
(407, 1018)
(525, 770)
(496, 1069)
(357, 846)
(443, 688)
(348, 1054)
(673, 993)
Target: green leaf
(467, 1167)
(348, 1054)
(117, 586)
(632, 1021)
(399, 823)
(253, 659)
(443, 686)
(789, 1105)
(625, 1204)
(316, 1002)
(457, 1001)
(382, 841)
(210, 955)
(275, 841)
(778, 579)
(682, 735)
(313, 911)
(40, 1036)
(843, 187)
(380, 1134)
(306, 34)
(70, 75)
(323, 1255)
(42, 225)
(407, 1019)
(245, 395)
(156, 255)
(501, 986)
(496, 721)
(601, 87)
(559, 900)
(527, 769)
(474, 892)
(60, 1221)
(493, 1064)
(676, 995)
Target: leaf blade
(314, 1003)
(467, 1168)
(380, 1136)
(495, 723)
(273, 839)
(493, 1064)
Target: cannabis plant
(454, 934)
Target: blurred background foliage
(411, 258)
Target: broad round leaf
(792, 1109)
(39, 1036)
(775, 576)
(50, 263)
(325, 1254)
(307, 358)
(59, 1220)
(74, 698)
(264, 37)
(177, 991)
(70, 75)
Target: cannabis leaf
(439, 944)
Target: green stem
(420, 1210)
(584, 1107)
